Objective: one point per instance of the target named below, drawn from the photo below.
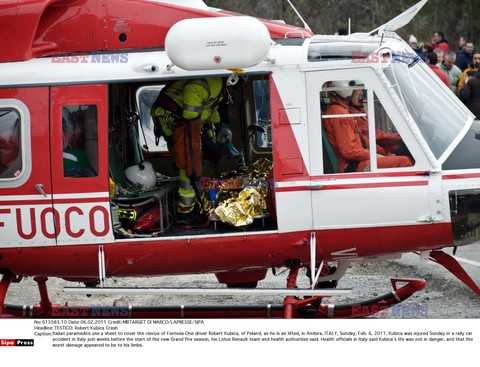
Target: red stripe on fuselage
(350, 176)
(461, 176)
(370, 185)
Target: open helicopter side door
(79, 157)
(391, 199)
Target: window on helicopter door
(348, 112)
(80, 140)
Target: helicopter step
(298, 303)
(292, 307)
(127, 291)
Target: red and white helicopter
(83, 71)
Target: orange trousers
(188, 154)
(389, 161)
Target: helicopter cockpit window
(349, 112)
(80, 141)
(439, 117)
(10, 143)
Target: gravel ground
(444, 297)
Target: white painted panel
(25, 224)
(84, 223)
(295, 210)
(370, 207)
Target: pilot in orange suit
(345, 134)
(389, 142)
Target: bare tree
(454, 18)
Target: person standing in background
(432, 63)
(440, 55)
(465, 56)
(414, 44)
(470, 94)
(439, 41)
(461, 43)
(473, 67)
(451, 70)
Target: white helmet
(142, 174)
(224, 135)
(346, 87)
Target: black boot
(192, 218)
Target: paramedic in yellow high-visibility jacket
(178, 113)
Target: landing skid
(294, 306)
(454, 267)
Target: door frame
(81, 203)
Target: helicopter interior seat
(330, 163)
(162, 194)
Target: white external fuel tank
(217, 43)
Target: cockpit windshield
(439, 116)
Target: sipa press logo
(16, 343)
